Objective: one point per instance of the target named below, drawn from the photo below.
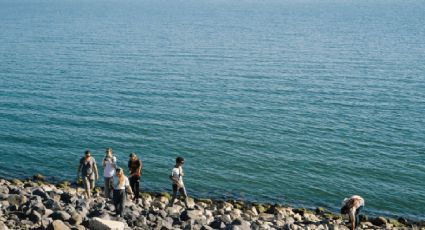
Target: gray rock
(35, 217)
(379, 221)
(40, 192)
(217, 224)
(52, 204)
(3, 226)
(4, 190)
(45, 222)
(99, 224)
(47, 212)
(18, 200)
(68, 198)
(190, 214)
(58, 225)
(76, 218)
(60, 215)
(226, 219)
(206, 227)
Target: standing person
(89, 172)
(352, 206)
(177, 179)
(134, 172)
(109, 164)
(120, 183)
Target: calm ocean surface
(296, 102)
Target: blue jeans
(357, 221)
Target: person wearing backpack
(89, 173)
(177, 180)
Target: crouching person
(120, 184)
(352, 206)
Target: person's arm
(95, 170)
(139, 169)
(352, 215)
(78, 170)
(129, 169)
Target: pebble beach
(36, 204)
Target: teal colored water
(297, 102)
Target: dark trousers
(182, 191)
(119, 198)
(135, 184)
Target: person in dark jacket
(134, 173)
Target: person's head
(119, 172)
(133, 156)
(108, 152)
(87, 154)
(179, 161)
(120, 175)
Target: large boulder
(99, 224)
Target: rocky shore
(35, 204)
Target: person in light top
(120, 184)
(89, 173)
(352, 206)
(177, 180)
(109, 164)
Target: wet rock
(379, 221)
(38, 177)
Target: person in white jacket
(352, 207)
(109, 165)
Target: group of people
(117, 185)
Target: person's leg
(86, 187)
(91, 185)
(121, 201)
(182, 192)
(106, 188)
(357, 216)
(115, 199)
(174, 195)
(132, 183)
(136, 190)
